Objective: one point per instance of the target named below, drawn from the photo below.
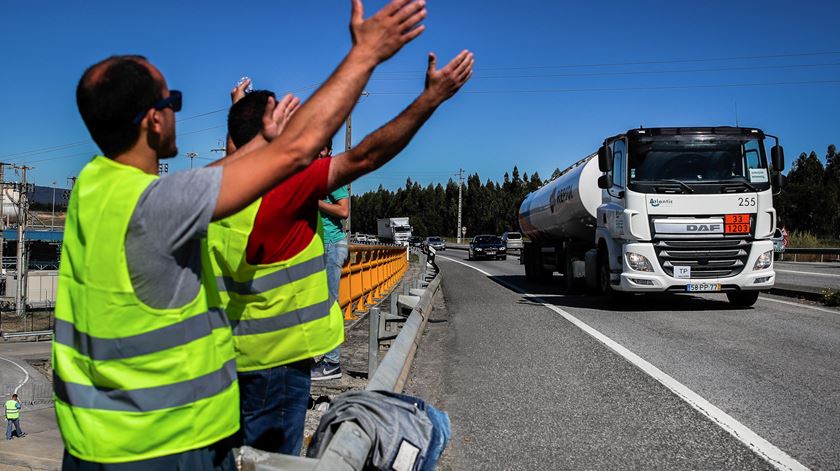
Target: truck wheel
(572, 284)
(742, 298)
(604, 286)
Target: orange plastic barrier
(369, 273)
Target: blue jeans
(16, 424)
(217, 457)
(335, 254)
(273, 403)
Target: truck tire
(534, 270)
(572, 285)
(742, 298)
(604, 286)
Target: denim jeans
(16, 424)
(335, 254)
(274, 403)
(216, 457)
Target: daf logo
(703, 227)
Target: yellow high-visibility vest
(280, 312)
(12, 411)
(133, 382)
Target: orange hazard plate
(737, 224)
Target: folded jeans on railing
(405, 432)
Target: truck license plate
(692, 287)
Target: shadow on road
(553, 293)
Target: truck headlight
(638, 262)
(764, 261)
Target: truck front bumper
(658, 281)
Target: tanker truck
(660, 210)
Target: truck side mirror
(777, 154)
(605, 182)
(605, 159)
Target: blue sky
(547, 87)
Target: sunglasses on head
(174, 101)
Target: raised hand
(277, 114)
(444, 83)
(239, 91)
(384, 33)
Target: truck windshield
(683, 162)
(402, 229)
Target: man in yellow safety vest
(13, 417)
(270, 268)
(144, 366)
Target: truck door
(614, 210)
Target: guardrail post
(373, 341)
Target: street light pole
(52, 218)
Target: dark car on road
(487, 246)
(415, 241)
(436, 243)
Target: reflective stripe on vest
(281, 312)
(12, 412)
(133, 382)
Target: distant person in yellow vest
(13, 417)
(270, 266)
(145, 371)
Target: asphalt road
(807, 276)
(528, 389)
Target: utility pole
(348, 144)
(460, 184)
(52, 218)
(23, 210)
(72, 181)
(191, 155)
(2, 216)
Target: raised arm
(389, 140)
(374, 40)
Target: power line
(638, 72)
(644, 62)
(624, 89)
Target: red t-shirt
(288, 215)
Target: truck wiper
(661, 182)
(739, 181)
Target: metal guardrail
(348, 449)
(368, 274)
(833, 253)
(37, 334)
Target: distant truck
(660, 210)
(394, 230)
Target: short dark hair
(110, 94)
(245, 116)
(14, 396)
(328, 144)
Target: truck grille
(719, 258)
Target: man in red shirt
(274, 400)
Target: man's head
(14, 397)
(124, 98)
(245, 116)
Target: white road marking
(25, 373)
(808, 273)
(772, 454)
(762, 298)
